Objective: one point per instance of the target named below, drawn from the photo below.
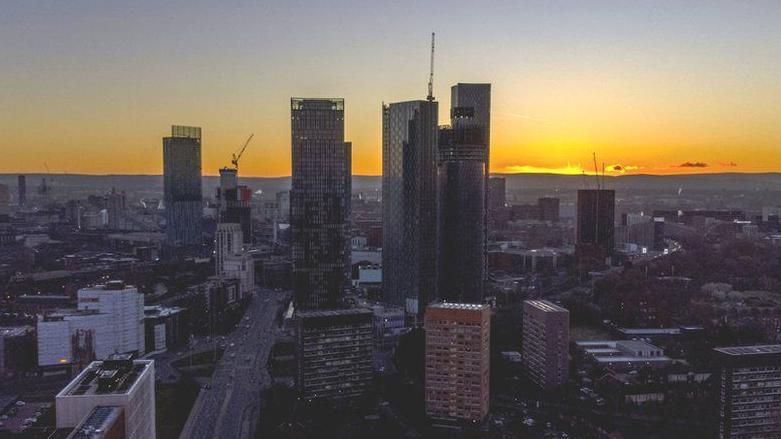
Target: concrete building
(125, 305)
(335, 353)
(457, 362)
(545, 344)
(235, 202)
(182, 190)
(750, 391)
(74, 338)
(118, 382)
(595, 231)
(320, 204)
(103, 422)
(409, 207)
(624, 355)
(232, 261)
(461, 214)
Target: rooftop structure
(624, 354)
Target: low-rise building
(624, 355)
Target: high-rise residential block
(116, 382)
(595, 234)
(461, 214)
(182, 189)
(457, 362)
(545, 344)
(409, 206)
(749, 391)
(125, 304)
(335, 353)
(319, 202)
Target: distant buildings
(545, 343)
(334, 353)
(461, 168)
(750, 391)
(22, 191)
(595, 226)
(116, 382)
(319, 202)
(457, 362)
(624, 355)
(549, 209)
(409, 203)
(497, 193)
(17, 350)
(234, 202)
(183, 196)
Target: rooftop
(98, 421)
(750, 350)
(546, 306)
(464, 306)
(333, 312)
(114, 376)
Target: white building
(125, 305)
(74, 337)
(232, 260)
(118, 381)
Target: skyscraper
(319, 201)
(234, 207)
(182, 185)
(595, 229)
(22, 190)
(461, 214)
(545, 346)
(409, 229)
(457, 362)
(750, 391)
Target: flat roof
(631, 359)
(465, 306)
(100, 419)
(107, 377)
(750, 350)
(333, 312)
(546, 306)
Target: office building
(22, 191)
(549, 209)
(457, 362)
(117, 382)
(497, 193)
(232, 261)
(103, 422)
(409, 206)
(235, 202)
(319, 202)
(545, 344)
(335, 353)
(461, 214)
(74, 338)
(125, 305)
(165, 328)
(595, 226)
(749, 391)
(182, 186)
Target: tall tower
(409, 229)
(234, 208)
(183, 195)
(461, 214)
(319, 201)
(22, 190)
(595, 229)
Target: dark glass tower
(409, 229)
(182, 186)
(595, 228)
(234, 208)
(461, 214)
(319, 201)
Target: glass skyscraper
(409, 140)
(183, 196)
(320, 201)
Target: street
(229, 407)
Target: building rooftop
(114, 376)
(15, 331)
(546, 306)
(750, 350)
(97, 422)
(464, 306)
(333, 312)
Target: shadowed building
(319, 201)
(182, 186)
(409, 209)
(595, 229)
(545, 345)
(234, 202)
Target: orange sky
(654, 88)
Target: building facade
(319, 202)
(409, 229)
(461, 214)
(125, 305)
(749, 391)
(457, 370)
(335, 353)
(595, 233)
(235, 203)
(545, 344)
(182, 190)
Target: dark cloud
(618, 168)
(693, 165)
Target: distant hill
(154, 183)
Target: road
(230, 407)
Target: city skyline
(652, 88)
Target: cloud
(618, 168)
(531, 169)
(693, 165)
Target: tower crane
(237, 155)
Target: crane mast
(430, 97)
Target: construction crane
(237, 155)
(430, 97)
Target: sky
(657, 87)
